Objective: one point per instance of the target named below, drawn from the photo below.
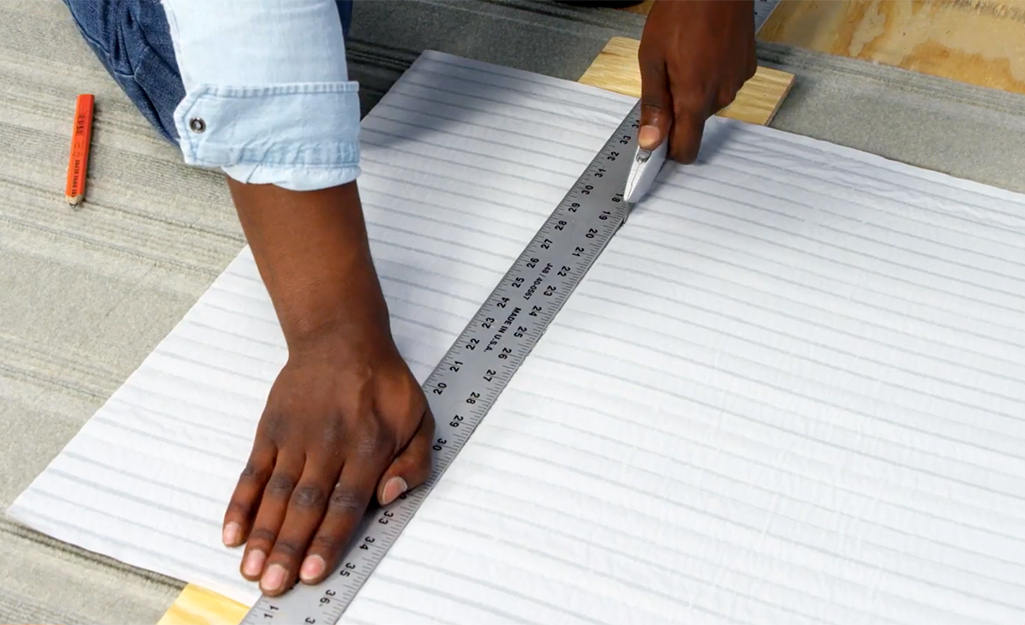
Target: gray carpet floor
(85, 294)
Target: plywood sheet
(979, 42)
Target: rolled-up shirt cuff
(301, 136)
(293, 178)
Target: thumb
(412, 466)
(656, 105)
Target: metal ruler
(480, 363)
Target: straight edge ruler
(478, 366)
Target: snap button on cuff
(197, 124)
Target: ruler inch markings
(478, 366)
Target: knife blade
(643, 170)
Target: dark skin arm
(345, 421)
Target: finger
(730, 88)
(306, 509)
(751, 61)
(656, 104)
(271, 512)
(238, 517)
(685, 142)
(727, 94)
(412, 467)
(345, 509)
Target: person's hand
(345, 421)
(694, 57)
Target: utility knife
(643, 170)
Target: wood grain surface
(199, 606)
(979, 42)
(614, 69)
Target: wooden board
(617, 69)
(979, 42)
(614, 69)
(199, 606)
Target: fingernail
(312, 567)
(392, 489)
(230, 534)
(273, 579)
(648, 137)
(253, 563)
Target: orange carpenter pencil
(78, 160)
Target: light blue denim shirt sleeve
(268, 98)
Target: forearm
(313, 254)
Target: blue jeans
(133, 41)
